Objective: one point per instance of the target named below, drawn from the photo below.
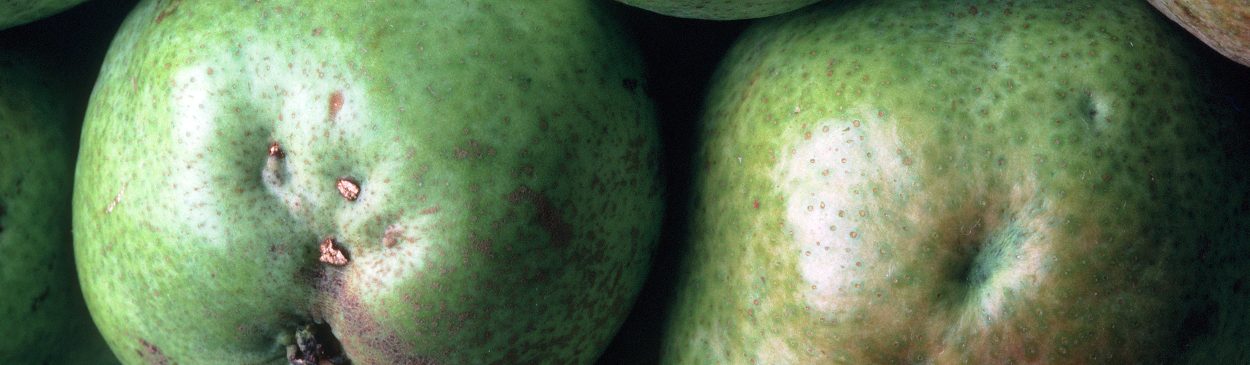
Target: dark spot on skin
(547, 215)
(485, 246)
(972, 10)
(2, 214)
(472, 149)
(1188, 13)
(34, 304)
(630, 84)
(170, 8)
(394, 233)
(336, 103)
(151, 354)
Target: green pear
(417, 182)
(43, 318)
(941, 182)
(18, 12)
(720, 9)
(1222, 24)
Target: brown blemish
(151, 354)
(547, 215)
(393, 233)
(169, 9)
(336, 103)
(472, 149)
(332, 255)
(275, 150)
(485, 246)
(359, 332)
(348, 188)
(2, 214)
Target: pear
(414, 182)
(986, 182)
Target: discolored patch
(472, 149)
(170, 8)
(485, 246)
(151, 354)
(363, 339)
(547, 215)
(392, 236)
(336, 104)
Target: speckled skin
(947, 182)
(43, 319)
(18, 12)
(504, 152)
(720, 9)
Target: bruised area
(151, 354)
(547, 215)
(348, 330)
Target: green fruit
(1222, 24)
(958, 182)
(386, 183)
(18, 12)
(43, 318)
(720, 9)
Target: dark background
(681, 55)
